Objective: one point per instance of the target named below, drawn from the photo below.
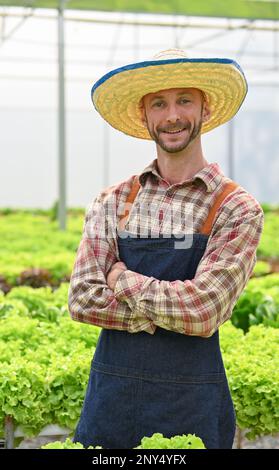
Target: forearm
(98, 306)
(198, 306)
(90, 300)
(188, 307)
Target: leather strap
(207, 226)
(129, 202)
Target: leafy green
(33, 240)
(158, 441)
(258, 303)
(269, 243)
(67, 444)
(252, 365)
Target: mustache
(177, 127)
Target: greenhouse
(63, 159)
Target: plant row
(46, 360)
(35, 252)
(156, 441)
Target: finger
(120, 265)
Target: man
(163, 259)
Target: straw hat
(116, 95)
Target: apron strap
(129, 202)
(207, 226)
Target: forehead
(171, 92)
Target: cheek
(158, 119)
(152, 121)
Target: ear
(142, 112)
(206, 113)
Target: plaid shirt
(141, 303)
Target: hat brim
(116, 96)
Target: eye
(184, 100)
(157, 104)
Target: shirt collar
(211, 175)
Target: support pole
(9, 432)
(61, 120)
(239, 438)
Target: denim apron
(167, 382)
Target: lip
(174, 133)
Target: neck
(180, 166)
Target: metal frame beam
(62, 204)
(229, 23)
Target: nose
(173, 113)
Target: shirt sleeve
(199, 306)
(90, 300)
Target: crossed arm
(105, 293)
(114, 273)
(91, 298)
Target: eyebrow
(178, 94)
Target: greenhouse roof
(249, 9)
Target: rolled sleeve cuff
(128, 287)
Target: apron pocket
(108, 414)
(181, 408)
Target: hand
(114, 273)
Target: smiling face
(174, 117)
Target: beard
(191, 134)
